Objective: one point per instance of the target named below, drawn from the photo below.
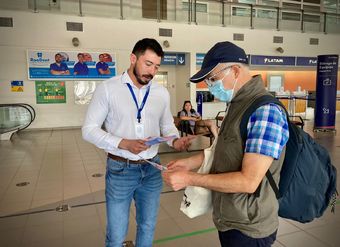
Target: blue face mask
(218, 90)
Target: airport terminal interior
(52, 182)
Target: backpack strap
(263, 100)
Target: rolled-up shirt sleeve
(268, 131)
(96, 114)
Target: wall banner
(70, 65)
(50, 92)
(326, 86)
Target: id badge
(139, 129)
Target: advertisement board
(70, 65)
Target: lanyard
(139, 109)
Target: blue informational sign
(173, 59)
(199, 101)
(272, 60)
(326, 86)
(180, 59)
(199, 58)
(17, 83)
(306, 61)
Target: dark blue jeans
(235, 238)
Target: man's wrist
(174, 140)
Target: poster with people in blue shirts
(70, 65)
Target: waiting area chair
(184, 127)
(297, 120)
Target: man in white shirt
(132, 109)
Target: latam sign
(272, 60)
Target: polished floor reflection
(62, 169)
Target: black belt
(118, 158)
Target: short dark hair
(57, 54)
(147, 44)
(80, 54)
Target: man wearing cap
(242, 217)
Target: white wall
(48, 31)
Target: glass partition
(265, 18)
(102, 8)
(208, 13)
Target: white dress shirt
(113, 105)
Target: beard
(139, 78)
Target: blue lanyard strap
(139, 109)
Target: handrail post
(251, 17)
(278, 19)
(121, 10)
(189, 12)
(195, 11)
(80, 8)
(35, 9)
(302, 22)
(158, 10)
(223, 24)
(325, 23)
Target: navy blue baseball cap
(222, 52)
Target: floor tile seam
(99, 153)
(101, 221)
(39, 175)
(23, 232)
(62, 176)
(277, 240)
(83, 164)
(309, 234)
(11, 180)
(31, 203)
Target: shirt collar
(126, 79)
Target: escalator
(15, 117)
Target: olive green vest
(256, 217)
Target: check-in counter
(284, 98)
(300, 101)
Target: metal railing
(223, 13)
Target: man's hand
(183, 143)
(134, 146)
(180, 165)
(177, 179)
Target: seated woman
(192, 123)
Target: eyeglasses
(211, 80)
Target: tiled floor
(59, 166)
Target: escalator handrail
(32, 110)
(24, 106)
